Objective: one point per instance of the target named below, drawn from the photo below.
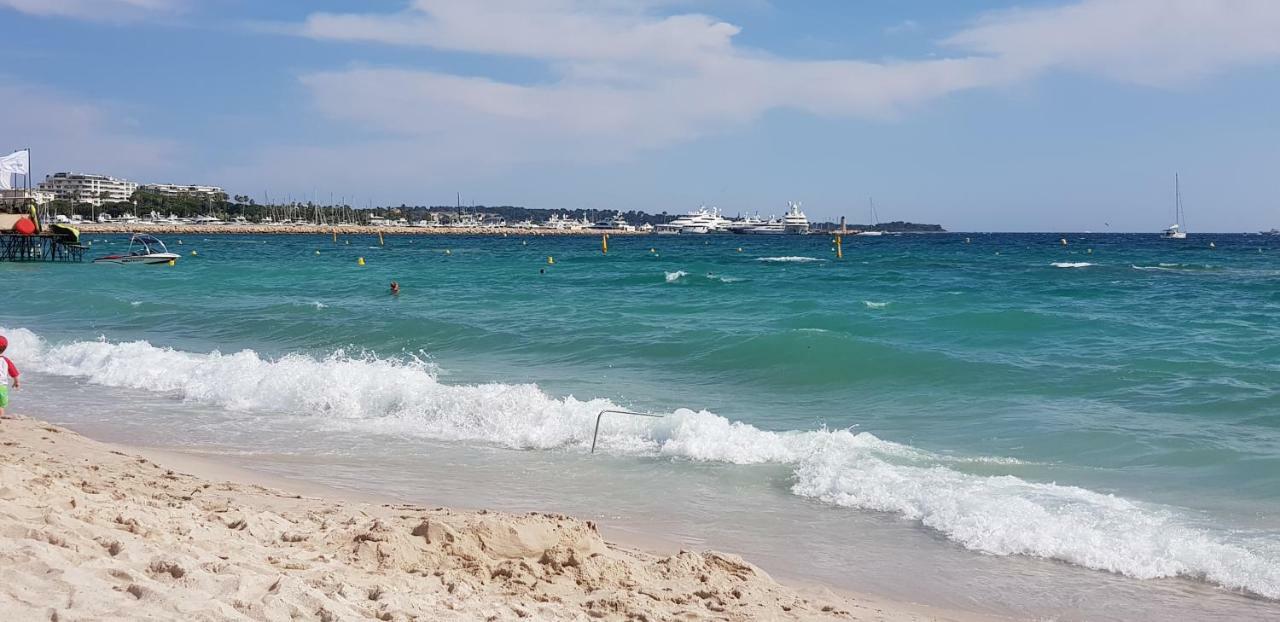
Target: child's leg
(4, 399)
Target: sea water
(993, 422)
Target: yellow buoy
(193, 253)
(448, 252)
(380, 241)
(653, 250)
(360, 261)
(604, 244)
(173, 262)
(551, 261)
(1091, 251)
(1064, 241)
(317, 252)
(335, 237)
(839, 248)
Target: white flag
(16, 163)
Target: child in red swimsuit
(13, 373)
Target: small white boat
(1174, 231)
(143, 249)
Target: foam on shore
(1001, 515)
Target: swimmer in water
(395, 288)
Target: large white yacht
(746, 224)
(702, 220)
(795, 222)
(564, 223)
(617, 223)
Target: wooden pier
(41, 247)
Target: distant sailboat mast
(1176, 230)
(1178, 214)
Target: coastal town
(103, 203)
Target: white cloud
(573, 30)
(96, 10)
(626, 75)
(626, 78)
(68, 135)
(1152, 42)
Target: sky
(1035, 115)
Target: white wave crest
(1001, 515)
(1069, 264)
(871, 304)
(789, 259)
(672, 277)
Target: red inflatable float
(24, 226)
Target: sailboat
(1175, 231)
(875, 220)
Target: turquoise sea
(996, 422)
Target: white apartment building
(92, 189)
(211, 192)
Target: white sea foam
(672, 277)
(319, 305)
(1069, 264)
(871, 304)
(1001, 515)
(135, 303)
(789, 259)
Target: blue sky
(1034, 115)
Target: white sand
(89, 531)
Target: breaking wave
(999, 515)
(789, 259)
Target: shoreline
(87, 228)
(138, 530)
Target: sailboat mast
(1177, 200)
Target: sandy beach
(92, 531)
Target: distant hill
(897, 226)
